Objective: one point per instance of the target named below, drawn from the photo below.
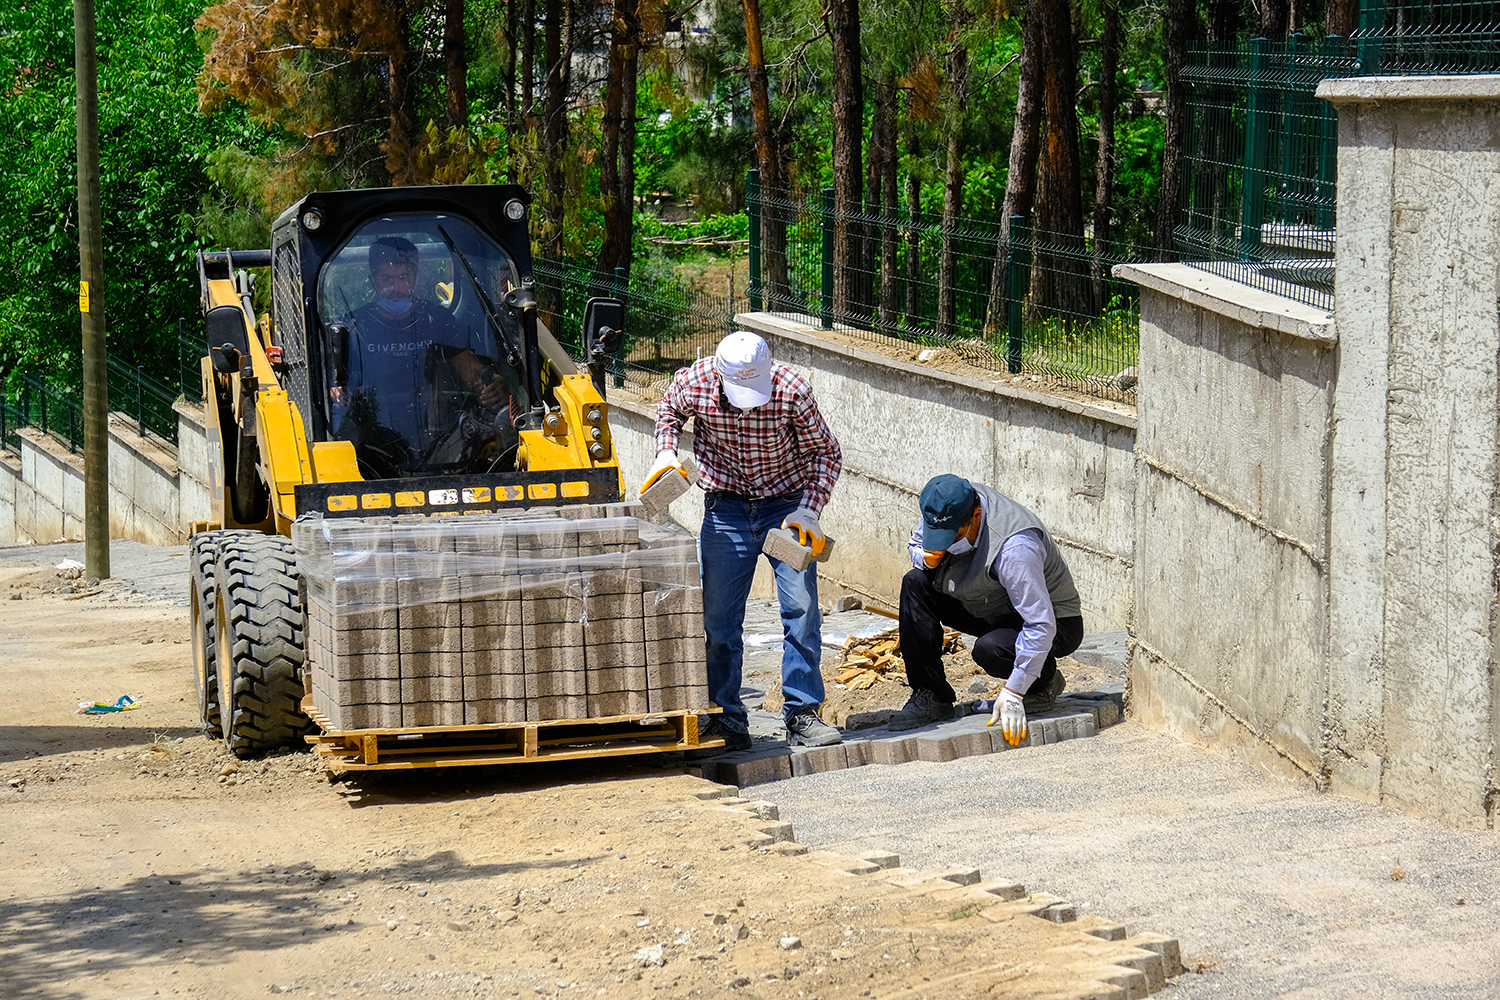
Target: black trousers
(924, 612)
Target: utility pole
(91, 300)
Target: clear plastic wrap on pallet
(554, 613)
(385, 563)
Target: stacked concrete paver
(580, 612)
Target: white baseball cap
(743, 362)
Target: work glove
(809, 533)
(1011, 714)
(666, 461)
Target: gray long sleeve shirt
(1018, 568)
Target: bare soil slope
(137, 858)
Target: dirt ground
(137, 858)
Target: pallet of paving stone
(466, 746)
(543, 615)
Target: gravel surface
(148, 571)
(1273, 890)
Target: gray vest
(967, 578)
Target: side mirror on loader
(603, 333)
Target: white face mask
(960, 546)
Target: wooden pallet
(503, 743)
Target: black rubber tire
(260, 625)
(203, 557)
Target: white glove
(1011, 714)
(665, 461)
(809, 532)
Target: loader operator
(984, 565)
(768, 459)
(398, 340)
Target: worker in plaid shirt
(767, 459)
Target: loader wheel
(202, 557)
(258, 646)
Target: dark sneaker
(716, 730)
(805, 729)
(922, 708)
(1038, 702)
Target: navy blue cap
(948, 501)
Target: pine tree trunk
(869, 253)
(456, 64)
(848, 141)
(558, 57)
(1020, 180)
(1273, 19)
(1104, 184)
(953, 186)
(399, 159)
(768, 157)
(888, 263)
(631, 72)
(1059, 281)
(512, 103)
(1178, 28)
(1342, 17)
(528, 63)
(609, 165)
(912, 303)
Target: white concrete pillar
(1411, 717)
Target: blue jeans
(728, 548)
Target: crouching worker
(984, 565)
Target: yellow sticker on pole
(83, 296)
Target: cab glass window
(422, 377)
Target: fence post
(621, 289)
(140, 401)
(753, 210)
(1293, 104)
(1328, 139)
(1018, 278)
(1253, 191)
(1371, 26)
(826, 308)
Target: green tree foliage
(155, 156)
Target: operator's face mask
(397, 307)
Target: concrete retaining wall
(899, 424)
(1236, 395)
(151, 498)
(1318, 516)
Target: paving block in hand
(781, 544)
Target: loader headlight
(312, 220)
(514, 210)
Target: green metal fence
(668, 321)
(49, 409)
(58, 412)
(143, 398)
(1261, 164)
(1035, 305)
(190, 352)
(1258, 202)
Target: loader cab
(426, 363)
(390, 305)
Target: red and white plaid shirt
(782, 446)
